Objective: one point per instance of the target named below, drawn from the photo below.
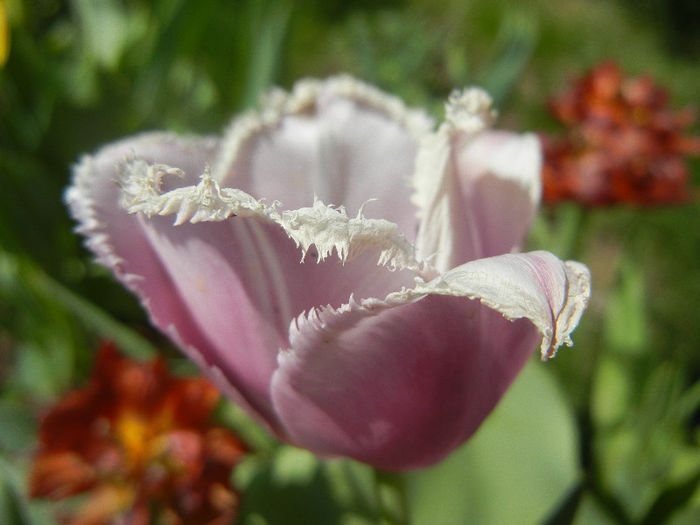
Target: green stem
(392, 504)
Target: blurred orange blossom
(621, 144)
(138, 441)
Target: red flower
(139, 441)
(621, 144)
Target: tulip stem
(392, 504)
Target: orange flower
(621, 144)
(138, 441)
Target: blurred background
(608, 432)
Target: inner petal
(343, 152)
(498, 183)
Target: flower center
(135, 434)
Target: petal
(57, 475)
(120, 242)
(402, 389)
(94, 194)
(499, 176)
(326, 227)
(359, 243)
(538, 286)
(477, 190)
(110, 501)
(340, 140)
(400, 383)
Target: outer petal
(122, 244)
(477, 190)
(400, 383)
(340, 140)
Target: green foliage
(14, 508)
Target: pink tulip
(338, 268)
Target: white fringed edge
(515, 298)
(468, 111)
(554, 317)
(305, 97)
(326, 227)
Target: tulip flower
(345, 272)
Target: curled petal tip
(578, 293)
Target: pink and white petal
(219, 274)
(500, 184)
(339, 140)
(93, 198)
(477, 190)
(400, 389)
(121, 243)
(399, 383)
(538, 286)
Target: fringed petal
(326, 228)
(122, 243)
(477, 190)
(399, 383)
(550, 293)
(340, 140)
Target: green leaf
(295, 488)
(93, 317)
(517, 467)
(517, 38)
(625, 320)
(611, 391)
(15, 509)
(565, 513)
(670, 500)
(11, 507)
(105, 29)
(290, 489)
(268, 37)
(18, 428)
(36, 373)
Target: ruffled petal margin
(327, 228)
(538, 286)
(477, 190)
(338, 139)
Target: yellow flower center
(135, 435)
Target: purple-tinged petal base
(402, 389)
